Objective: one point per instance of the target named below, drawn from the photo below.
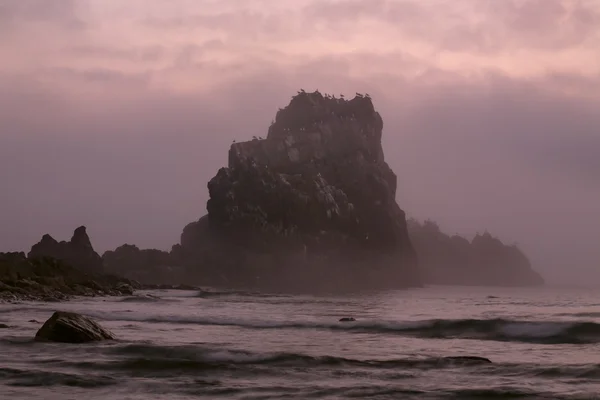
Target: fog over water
(115, 115)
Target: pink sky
(115, 114)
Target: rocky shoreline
(48, 279)
(59, 271)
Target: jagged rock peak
(78, 252)
(306, 110)
(314, 130)
(48, 239)
(81, 238)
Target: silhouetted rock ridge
(144, 265)
(485, 260)
(78, 252)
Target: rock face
(68, 327)
(485, 261)
(311, 206)
(78, 252)
(144, 265)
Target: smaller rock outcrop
(69, 327)
(78, 252)
(484, 261)
(347, 319)
(149, 266)
(49, 279)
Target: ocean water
(543, 344)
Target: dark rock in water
(68, 327)
(3, 326)
(78, 252)
(467, 360)
(34, 321)
(347, 319)
(124, 288)
(311, 207)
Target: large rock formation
(78, 252)
(312, 206)
(453, 260)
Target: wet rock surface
(68, 327)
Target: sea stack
(311, 207)
(78, 252)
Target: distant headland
(311, 207)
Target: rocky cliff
(149, 266)
(78, 252)
(454, 260)
(312, 206)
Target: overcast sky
(115, 114)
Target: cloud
(137, 54)
(486, 26)
(62, 13)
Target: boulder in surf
(347, 319)
(68, 327)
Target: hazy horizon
(115, 115)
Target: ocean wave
(162, 359)
(11, 309)
(587, 314)
(154, 357)
(141, 299)
(39, 378)
(236, 293)
(541, 332)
